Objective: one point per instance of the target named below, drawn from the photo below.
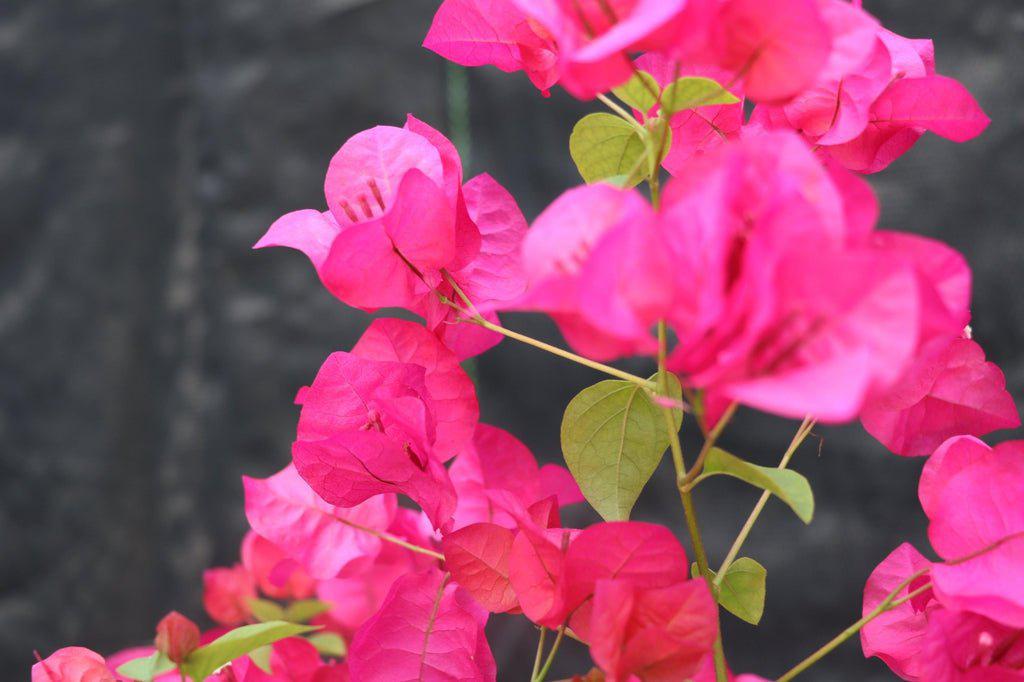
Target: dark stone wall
(148, 358)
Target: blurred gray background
(148, 358)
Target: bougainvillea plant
(725, 232)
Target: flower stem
(689, 511)
(610, 103)
(539, 677)
(474, 317)
(388, 537)
(540, 653)
(798, 439)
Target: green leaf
(146, 668)
(305, 610)
(787, 485)
(613, 437)
(742, 590)
(605, 146)
(657, 143)
(640, 92)
(265, 610)
(261, 658)
(202, 662)
(328, 644)
(693, 92)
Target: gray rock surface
(148, 358)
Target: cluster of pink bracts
(762, 258)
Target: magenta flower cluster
(755, 276)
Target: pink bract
(227, 593)
(72, 664)
(427, 628)
(277, 575)
(659, 635)
(399, 225)
(317, 535)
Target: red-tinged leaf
(477, 557)
(428, 628)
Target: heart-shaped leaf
(265, 610)
(203, 661)
(787, 485)
(613, 437)
(640, 92)
(607, 147)
(742, 590)
(693, 92)
(305, 610)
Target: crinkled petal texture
(477, 557)
(961, 646)
(428, 629)
(72, 664)
(556, 250)
(496, 33)
(896, 636)
(659, 634)
(319, 536)
(972, 495)
(949, 390)
(449, 387)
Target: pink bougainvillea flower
(176, 637)
(350, 468)
(657, 634)
(277, 574)
(367, 427)
(498, 461)
(906, 110)
(644, 555)
(949, 390)
(449, 387)
(427, 628)
(72, 664)
(695, 131)
(537, 573)
(595, 37)
(971, 494)
(555, 252)
(495, 33)
(227, 592)
(399, 225)
(360, 590)
(317, 535)
(291, 660)
(778, 48)
(477, 557)
(782, 304)
(897, 635)
(924, 640)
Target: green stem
(551, 656)
(474, 317)
(887, 604)
(540, 653)
(625, 115)
(388, 537)
(798, 439)
(689, 511)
